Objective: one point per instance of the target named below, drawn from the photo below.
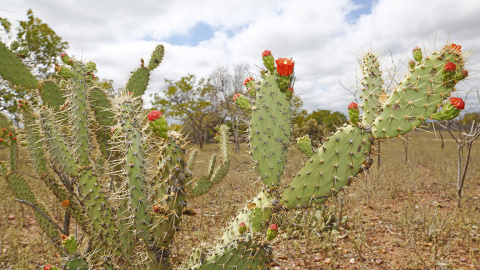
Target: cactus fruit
(242, 102)
(417, 54)
(450, 109)
(242, 228)
(272, 232)
(305, 144)
(353, 113)
(158, 123)
(268, 60)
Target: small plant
(80, 136)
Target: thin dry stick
(43, 214)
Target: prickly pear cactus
(129, 210)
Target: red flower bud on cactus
(3, 129)
(130, 93)
(20, 101)
(1, 139)
(10, 134)
(247, 80)
(14, 138)
(236, 96)
(62, 55)
(416, 48)
(454, 47)
(113, 129)
(353, 105)
(285, 66)
(64, 237)
(273, 227)
(242, 228)
(266, 53)
(47, 267)
(450, 66)
(458, 103)
(411, 64)
(20, 105)
(464, 73)
(154, 115)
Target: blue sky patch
(365, 9)
(200, 32)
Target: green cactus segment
(56, 144)
(256, 215)
(22, 191)
(13, 151)
(134, 167)
(157, 57)
(32, 132)
(70, 244)
(76, 262)
(97, 208)
(353, 115)
(372, 87)
(335, 165)
(191, 159)
(305, 144)
(105, 118)
(418, 96)
(138, 82)
(203, 186)
(79, 119)
(170, 193)
(5, 123)
(270, 130)
(13, 70)
(244, 252)
(214, 176)
(160, 126)
(52, 95)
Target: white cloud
(324, 41)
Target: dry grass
(400, 216)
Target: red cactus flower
(236, 96)
(47, 267)
(266, 53)
(1, 139)
(464, 73)
(353, 105)
(454, 47)
(458, 103)
(154, 115)
(248, 80)
(242, 224)
(64, 237)
(416, 48)
(113, 129)
(129, 93)
(450, 66)
(62, 55)
(285, 66)
(14, 138)
(273, 227)
(3, 129)
(10, 134)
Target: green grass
(400, 216)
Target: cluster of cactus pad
(124, 177)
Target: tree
(38, 46)
(468, 118)
(226, 85)
(189, 101)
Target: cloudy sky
(324, 37)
